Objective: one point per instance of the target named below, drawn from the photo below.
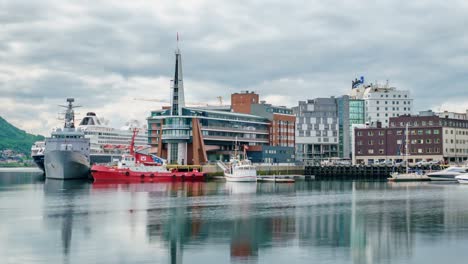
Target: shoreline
(20, 169)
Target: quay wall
(214, 170)
(359, 172)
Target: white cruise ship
(109, 143)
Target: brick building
(282, 123)
(430, 137)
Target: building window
(436, 140)
(370, 142)
(420, 132)
(399, 132)
(359, 133)
(370, 133)
(428, 132)
(381, 151)
(381, 142)
(370, 151)
(428, 141)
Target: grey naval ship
(66, 154)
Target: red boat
(139, 167)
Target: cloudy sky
(105, 53)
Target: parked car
(384, 163)
(400, 163)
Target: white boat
(241, 171)
(407, 176)
(108, 143)
(37, 153)
(448, 174)
(462, 178)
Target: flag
(157, 159)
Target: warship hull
(64, 165)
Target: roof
(225, 113)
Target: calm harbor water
(44, 221)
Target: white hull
(463, 178)
(245, 178)
(408, 177)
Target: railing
(185, 137)
(236, 129)
(262, 140)
(175, 127)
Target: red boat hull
(103, 173)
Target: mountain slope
(16, 139)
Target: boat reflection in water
(60, 213)
(212, 222)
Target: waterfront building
(282, 123)
(316, 129)
(324, 127)
(350, 112)
(282, 119)
(430, 138)
(382, 102)
(271, 154)
(194, 135)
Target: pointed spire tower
(177, 87)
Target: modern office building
(382, 102)
(350, 112)
(324, 127)
(430, 137)
(316, 129)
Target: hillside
(16, 139)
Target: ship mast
(69, 113)
(406, 148)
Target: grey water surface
(44, 221)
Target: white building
(383, 102)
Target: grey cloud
(297, 49)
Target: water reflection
(62, 210)
(339, 222)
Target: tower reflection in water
(370, 220)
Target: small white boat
(462, 178)
(241, 171)
(409, 176)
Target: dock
(362, 172)
(276, 179)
